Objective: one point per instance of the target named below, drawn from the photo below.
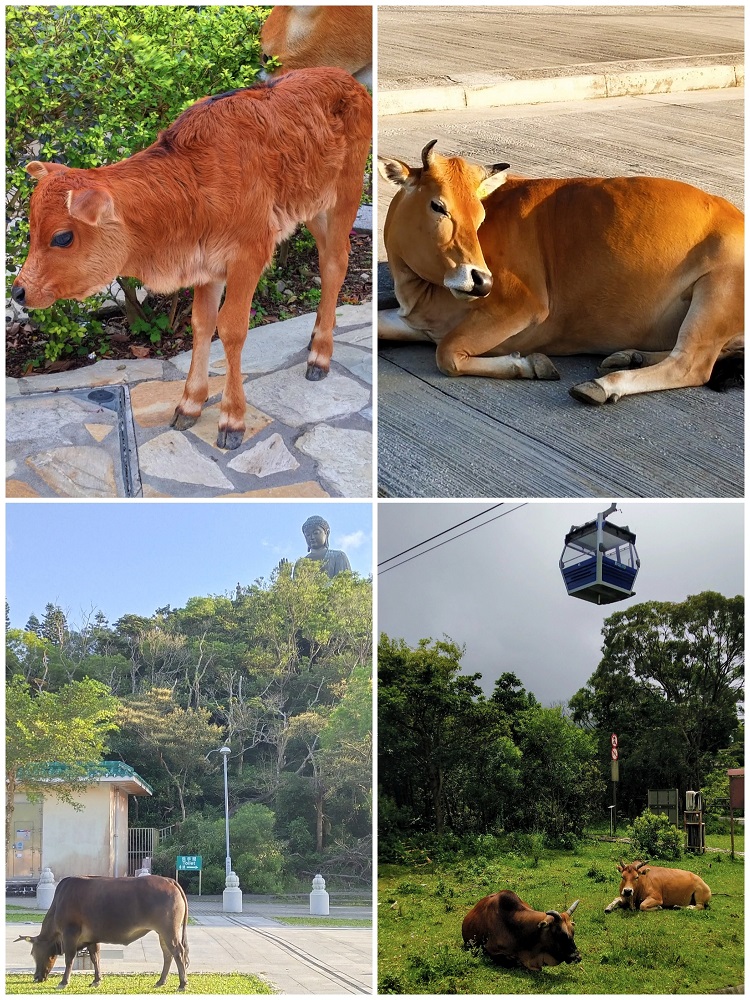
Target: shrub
(93, 85)
(653, 836)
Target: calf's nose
(18, 294)
(482, 282)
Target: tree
(68, 727)
(671, 675)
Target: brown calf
(205, 205)
(320, 36)
(653, 888)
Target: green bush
(653, 836)
(93, 85)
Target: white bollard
(45, 890)
(232, 895)
(319, 898)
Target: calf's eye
(62, 239)
(436, 206)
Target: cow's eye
(62, 239)
(438, 207)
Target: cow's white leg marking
(392, 326)
(617, 901)
(714, 318)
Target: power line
(426, 540)
(418, 554)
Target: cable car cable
(445, 542)
(452, 528)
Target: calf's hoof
(229, 440)
(589, 392)
(621, 360)
(182, 422)
(543, 367)
(315, 373)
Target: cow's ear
(38, 170)
(94, 206)
(397, 172)
(497, 175)
(548, 920)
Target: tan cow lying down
(500, 271)
(653, 888)
(205, 205)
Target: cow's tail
(186, 949)
(728, 372)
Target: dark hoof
(314, 373)
(181, 422)
(589, 392)
(543, 368)
(229, 440)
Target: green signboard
(189, 863)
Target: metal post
(225, 751)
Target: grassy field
(421, 908)
(228, 983)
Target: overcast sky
(498, 590)
(131, 558)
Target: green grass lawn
(421, 909)
(323, 922)
(23, 916)
(235, 983)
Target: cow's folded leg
(631, 359)
(206, 299)
(613, 905)
(392, 326)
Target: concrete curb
(577, 83)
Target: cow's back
(606, 250)
(676, 886)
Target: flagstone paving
(303, 439)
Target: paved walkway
(103, 431)
(467, 437)
(295, 960)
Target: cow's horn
(640, 865)
(426, 154)
(554, 913)
(571, 909)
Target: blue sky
(124, 558)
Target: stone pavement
(295, 960)
(303, 439)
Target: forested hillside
(280, 671)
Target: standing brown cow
(653, 888)
(320, 36)
(205, 205)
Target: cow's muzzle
(575, 957)
(18, 294)
(481, 283)
(627, 892)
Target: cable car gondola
(600, 562)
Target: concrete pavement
(295, 960)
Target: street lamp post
(225, 751)
(232, 896)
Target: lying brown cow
(499, 271)
(654, 888)
(205, 205)
(511, 932)
(320, 36)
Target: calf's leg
(331, 232)
(206, 299)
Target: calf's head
(436, 218)
(630, 876)
(77, 242)
(44, 955)
(557, 933)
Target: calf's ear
(38, 170)
(396, 172)
(94, 206)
